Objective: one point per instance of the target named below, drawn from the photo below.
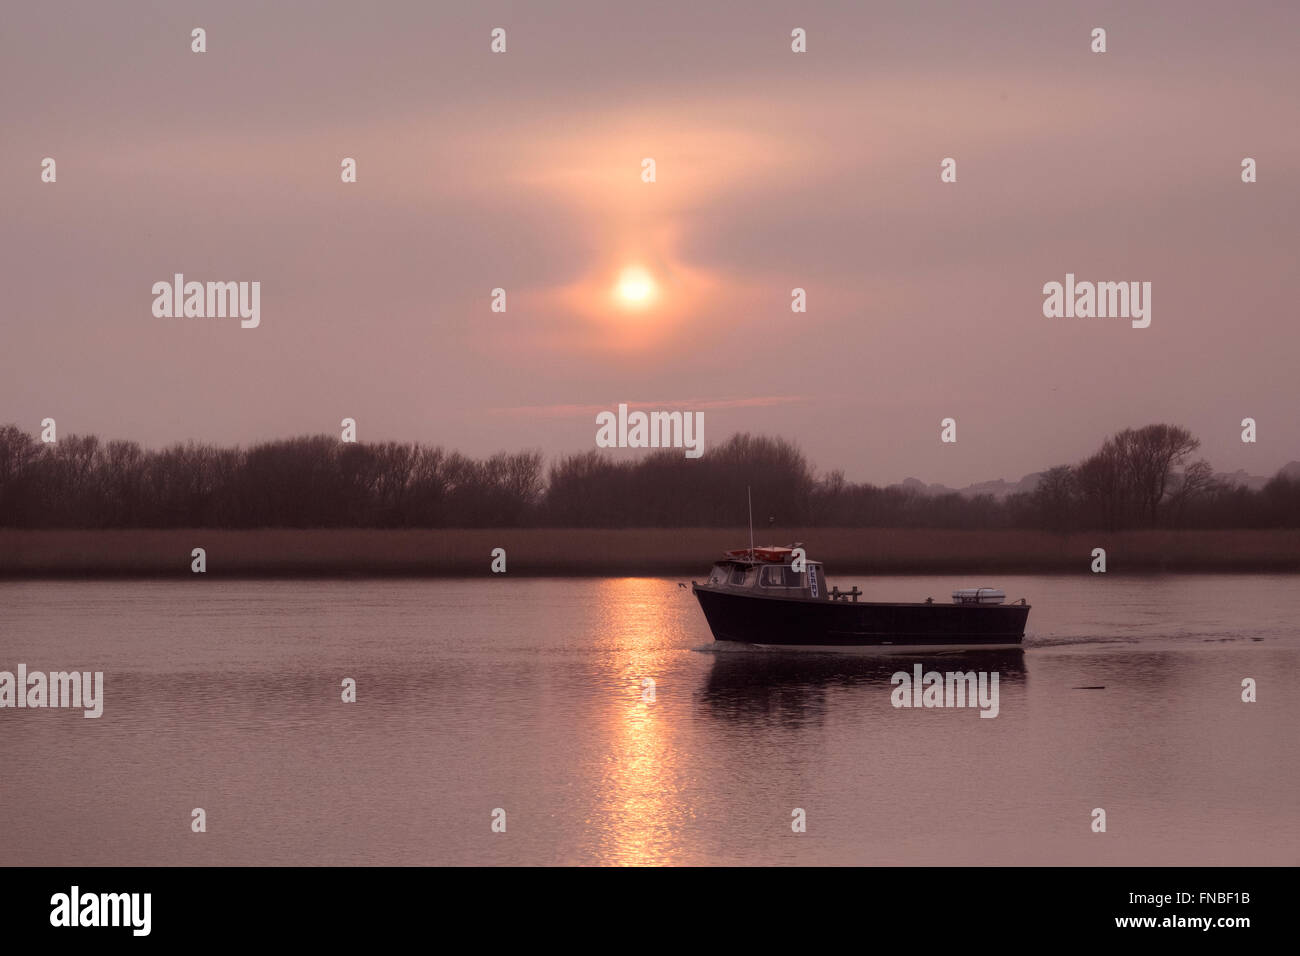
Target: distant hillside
(1000, 488)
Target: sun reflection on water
(639, 810)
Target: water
(526, 695)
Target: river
(526, 703)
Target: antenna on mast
(750, 496)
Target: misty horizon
(631, 455)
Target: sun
(636, 287)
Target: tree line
(1142, 477)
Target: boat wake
(739, 648)
(1148, 639)
(1031, 642)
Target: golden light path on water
(640, 813)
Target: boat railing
(838, 595)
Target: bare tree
(1150, 455)
(1055, 500)
(1196, 481)
(1100, 478)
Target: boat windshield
(742, 577)
(783, 576)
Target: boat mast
(750, 496)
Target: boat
(776, 596)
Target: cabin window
(782, 576)
(718, 575)
(744, 577)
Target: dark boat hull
(803, 622)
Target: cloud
(688, 404)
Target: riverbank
(686, 552)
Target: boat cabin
(770, 572)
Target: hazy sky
(774, 170)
